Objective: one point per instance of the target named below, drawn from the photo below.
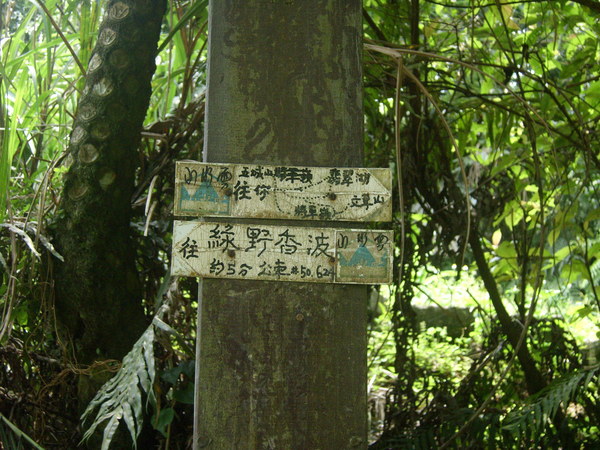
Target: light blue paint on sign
(204, 199)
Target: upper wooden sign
(283, 192)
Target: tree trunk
(98, 297)
(283, 365)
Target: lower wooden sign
(281, 253)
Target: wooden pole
(196, 441)
(283, 365)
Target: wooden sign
(283, 192)
(281, 253)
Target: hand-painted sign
(283, 192)
(281, 253)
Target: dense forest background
(487, 111)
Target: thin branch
(592, 4)
(62, 36)
(395, 52)
(534, 379)
(373, 25)
(458, 156)
(399, 80)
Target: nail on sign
(283, 192)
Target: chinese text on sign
(282, 253)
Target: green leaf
(585, 311)
(185, 394)
(19, 434)
(541, 407)
(506, 250)
(592, 215)
(192, 12)
(110, 430)
(171, 376)
(121, 397)
(553, 235)
(131, 422)
(592, 94)
(561, 254)
(188, 368)
(164, 419)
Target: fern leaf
(540, 408)
(120, 399)
(131, 422)
(109, 431)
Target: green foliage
(125, 397)
(12, 437)
(38, 79)
(121, 398)
(42, 45)
(506, 95)
(497, 124)
(531, 418)
(37, 85)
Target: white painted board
(281, 253)
(283, 192)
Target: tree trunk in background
(98, 300)
(284, 364)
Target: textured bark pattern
(284, 83)
(98, 299)
(283, 365)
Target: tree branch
(533, 377)
(373, 26)
(592, 4)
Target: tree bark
(283, 365)
(98, 297)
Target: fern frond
(542, 407)
(121, 397)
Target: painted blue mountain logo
(362, 266)
(363, 257)
(204, 199)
